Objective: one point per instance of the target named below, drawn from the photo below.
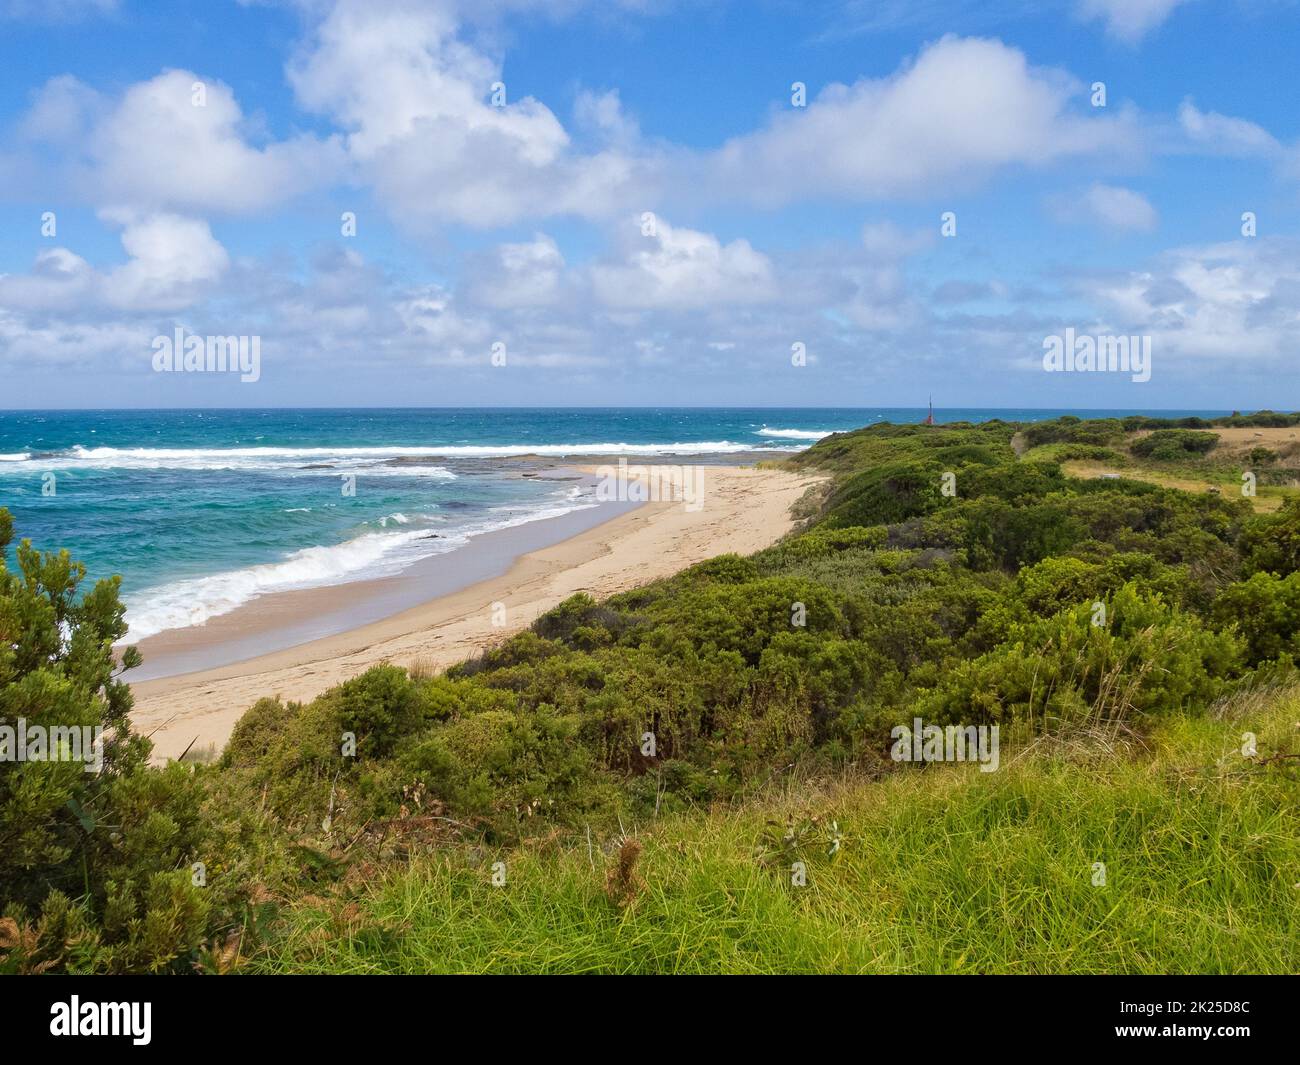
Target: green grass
(941, 870)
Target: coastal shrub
(1018, 483)
(1065, 582)
(1271, 543)
(506, 767)
(574, 621)
(725, 569)
(1008, 535)
(380, 706)
(1071, 430)
(291, 754)
(822, 542)
(95, 866)
(1137, 422)
(1265, 610)
(1263, 419)
(1146, 659)
(1080, 452)
(1170, 445)
(889, 493)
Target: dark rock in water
(318, 466)
(413, 460)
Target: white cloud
(1235, 303)
(158, 148)
(59, 279)
(172, 262)
(602, 113)
(1222, 134)
(1109, 206)
(62, 110)
(416, 104)
(172, 259)
(1129, 20)
(527, 274)
(962, 109)
(682, 269)
(889, 241)
(27, 346)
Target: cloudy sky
(649, 202)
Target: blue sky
(527, 225)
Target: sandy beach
(742, 510)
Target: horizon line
(583, 407)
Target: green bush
(1266, 611)
(1171, 445)
(95, 867)
(1271, 543)
(1143, 658)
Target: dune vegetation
(696, 775)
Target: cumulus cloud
(417, 122)
(1110, 207)
(417, 104)
(1233, 304)
(1224, 135)
(421, 125)
(62, 111)
(175, 142)
(172, 262)
(157, 149)
(524, 274)
(1129, 20)
(683, 268)
(962, 109)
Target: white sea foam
(283, 461)
(795, 434)
(490, 451)
(372, 461)
(197, 600)
(194, 601)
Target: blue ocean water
(201, 511)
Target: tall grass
(941, 870)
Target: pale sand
(743, 510)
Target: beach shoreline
(743, 509)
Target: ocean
(203, 511)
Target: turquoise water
(201, 511)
